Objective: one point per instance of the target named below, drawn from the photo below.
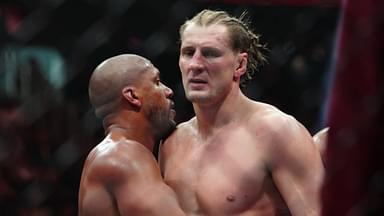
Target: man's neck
(214, 116)
(134, 129)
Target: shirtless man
(236, 156)
(120, 175)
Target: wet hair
(241, 37)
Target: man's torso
(226, 174)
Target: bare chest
(224, 175)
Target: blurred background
(48, 49)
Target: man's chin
(197, 97)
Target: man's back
(122, 178)
(234, 171)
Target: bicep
(94, 201)
(146, 196)
(297, 170)
(130, 184)
(95, 196)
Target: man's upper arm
(94, 202)
(140, 190)
(297, 167)
(129, 179)
(106, 174)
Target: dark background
(49, 49)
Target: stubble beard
(198, 96)
(162, 124)
(204, 97)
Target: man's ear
(131, 95)
(241, 67)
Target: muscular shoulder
(287, 139)
(114, 161)
(273, 122)
(282, 132)
(186, 127)
(182, 132)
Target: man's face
(207, 63)
(157, 103)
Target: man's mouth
(197, 83)
(197, 80)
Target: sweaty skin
(265, 163)
(120, 175)
(236, 157)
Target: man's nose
(168, 92)
(196, 61)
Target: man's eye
(187, 52)
(211, 53)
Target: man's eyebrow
(157, 75)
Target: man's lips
(197, 80)
(197, 83)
